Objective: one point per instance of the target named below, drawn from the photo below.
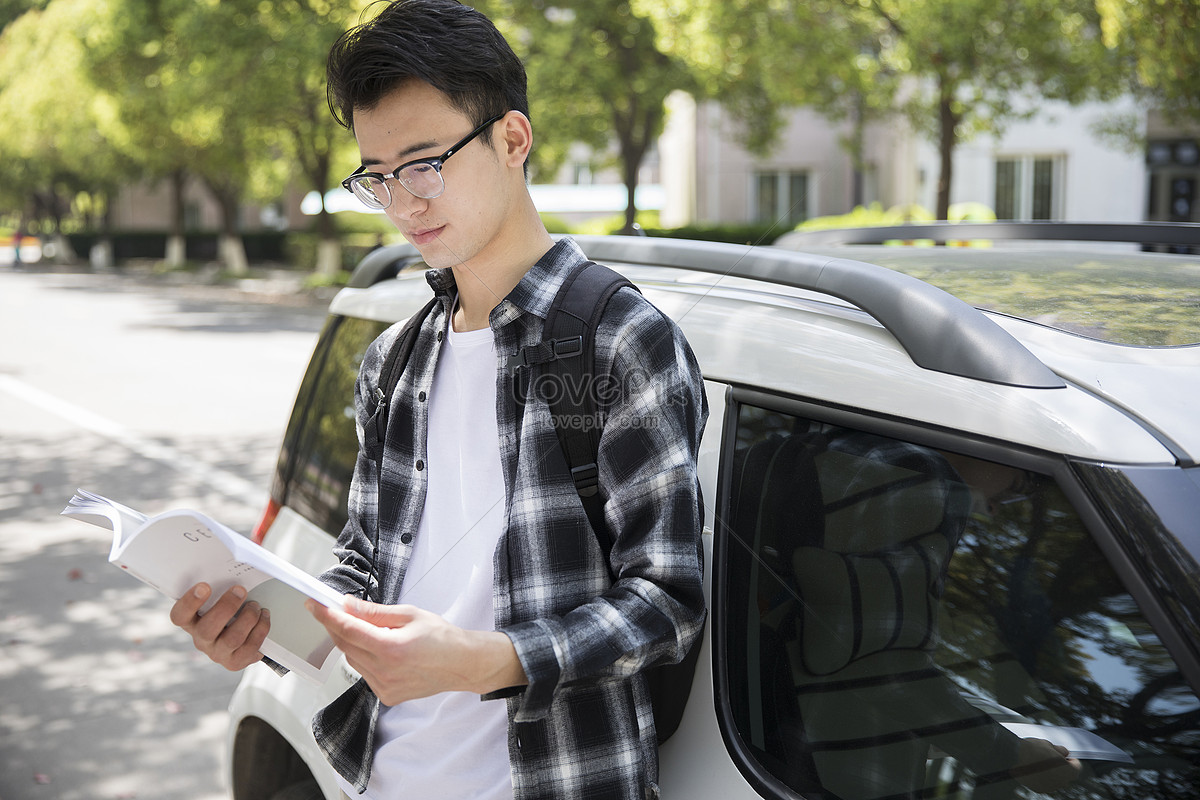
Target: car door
(904, 612)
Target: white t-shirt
(453, 745)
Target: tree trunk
(857, 146)
(176, 254)
(317, 167)
(232, 252)
(230, 248)
(329, 247)
(631, 168)
(633, 136)
(947, 138)
(51, 205)
(103, 255)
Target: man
(485, 577)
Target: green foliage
(875, 215)
(603, 226)
(53, 142)
(555, 223)
(1160, 42)
(322, 281)
(95, 94)
(734, 234)
(597, 73)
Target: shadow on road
(262, 306)
(102, 696)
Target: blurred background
(195, 134)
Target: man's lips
(425, 235)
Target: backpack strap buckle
(587, 479)
(543, 353)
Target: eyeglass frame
(434, 161)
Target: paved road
(159, 396)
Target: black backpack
(566, 352)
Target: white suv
(932, 532)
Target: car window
(898, 621)
(320, 445)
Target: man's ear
(516, 138)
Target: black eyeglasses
(422, 177)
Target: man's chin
(435, 253)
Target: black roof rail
(381, 264)
(937, 330)
(1168, 234)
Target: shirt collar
(533, 294)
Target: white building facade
(1056, 166)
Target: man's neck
(486, 280)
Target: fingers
(228, 633)
(217, 618)
(345, 630)
(1043, 766)
(256, 624)
(186, 608)
(380, 616)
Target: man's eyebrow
(401, 156)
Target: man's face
(467, 219)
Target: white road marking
(225, 482)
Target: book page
(174, 551)
(292, 627)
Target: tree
(52, 148)
(232, 93)
(252, 74)
(129, 48)
(1159, 41)
(596, 72)
(297, 37)
(953, 69)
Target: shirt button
(439, 336)
(420, 465)
(421, 397)
(406, 538)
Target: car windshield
(1115, 294)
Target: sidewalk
(271, 285)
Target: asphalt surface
(161, 392)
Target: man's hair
(452, 47)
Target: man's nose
(405, 205)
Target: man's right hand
(229, 638)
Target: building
(1054, 166)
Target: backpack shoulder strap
(573, 318)
(389, 374)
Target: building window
(781, 197)
(1029, 187)
(1174, 180)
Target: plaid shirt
(583, 727)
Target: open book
(174, 551)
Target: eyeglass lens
(422, 180)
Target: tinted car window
(320, 445)
(898, 621)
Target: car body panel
(1127, 377)
(763, 341)
(820, 339)
(286, 702)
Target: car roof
(789, 323)
(1114, 292)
